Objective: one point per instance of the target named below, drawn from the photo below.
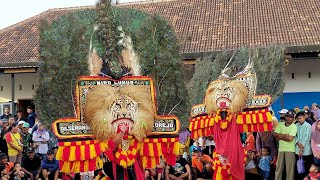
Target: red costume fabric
(228, 144)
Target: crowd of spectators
(290, 151)
(27, 150)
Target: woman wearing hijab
(315, 141)
(184, 140)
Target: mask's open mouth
(223, 102)
(122, 122)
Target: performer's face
(289, 119)
(301, 119)
(197, 154)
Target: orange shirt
(9, 166)
(250, 143)
(199, 163)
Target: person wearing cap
(286, 133)
(8, 165)
(303, 143)
(282, 114)
(26, 138)
(50, 167)
(31, 164)
(201, 164)
(20, 124)
(15, 146)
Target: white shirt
(207, 142)
(38, 137)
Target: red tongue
(223, 105)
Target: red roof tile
(201, 25)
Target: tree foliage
(268, 64)
(159, 55)
(64, 47)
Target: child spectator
(251, 168)
(7, 165)
(266, 139)
(150, 174)
(264, 163)
(314, 173)
(17, 173)
(3, 175)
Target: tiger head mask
(107, 108)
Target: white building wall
(301, 81)
(25, 80)
(5, 86)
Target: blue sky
(14, 11)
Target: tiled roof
(211, 25)
(201, 25)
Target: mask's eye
(130, 106)
(117, 106)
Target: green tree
(158, 50)
(64, 47)
(268, 64)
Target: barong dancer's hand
(119, 137)
(123, 128)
